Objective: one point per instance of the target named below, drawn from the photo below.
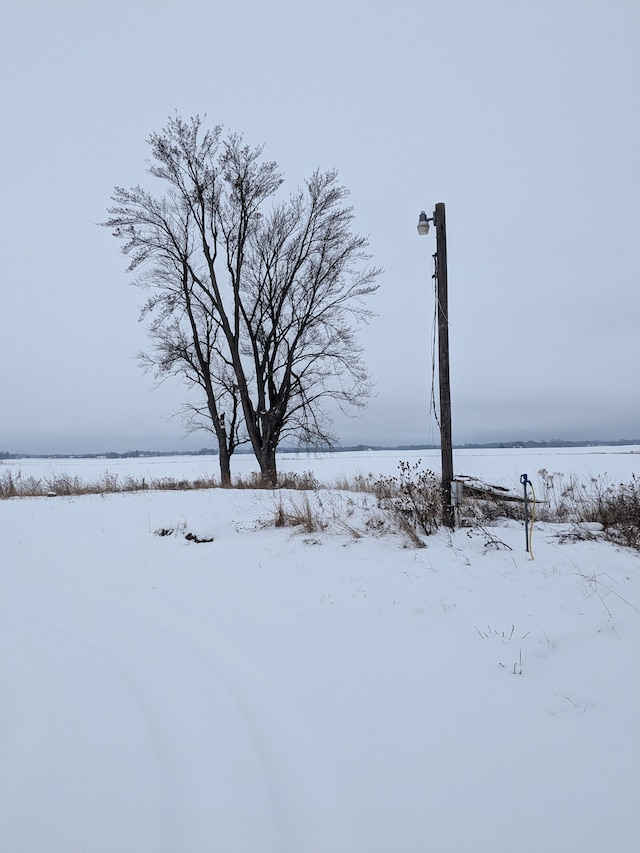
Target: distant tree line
(510, 445)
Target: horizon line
(210, 451)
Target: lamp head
(423, 224)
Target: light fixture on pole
(423, 224)
(446, 446)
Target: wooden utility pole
(446, 446)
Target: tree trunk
(268, 468)
(224, 458)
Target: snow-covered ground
(274, 692)
(502, 466)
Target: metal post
(446, 445)
(524, 480)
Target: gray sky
(522, 117)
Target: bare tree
(301, 294)
(185, 334)
(259, 309)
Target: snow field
(277, 691)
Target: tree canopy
(255, 297)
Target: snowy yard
(281, 692)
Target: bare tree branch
(257, 308)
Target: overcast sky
(522, 117)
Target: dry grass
(286, 480)
(16, 485)
(302, 512)
(408, 504)
(616, 507)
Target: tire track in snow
(61, 779)
(235, 767)
(77, 679)
(307, 812)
